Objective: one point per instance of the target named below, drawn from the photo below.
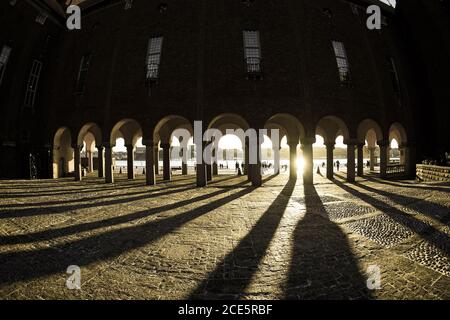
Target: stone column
(256, 176)
(215, 169)
(360, 159)
(90, 161)
(351, 161)
(166, 161)
(330, 161)
(276, 160)
(383, 157)
(307, 147)
(405, 157)
(209, 166)
(101, 161)
(372, 158)
(156, 158)
(130, 161)
(109, 175)
(184, 166)
(150, 178)
(247, 170)
(292, 159)
(200, 165)
(77, 159)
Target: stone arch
(162, 136)
(398, 132)
(129, 129)
(228, 121)
(330, 127)
(369, 130)
(294, 131)
(92, 135)
(90, 128)
(290, 125)
(63, 153)
(167, 125)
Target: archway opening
(63, 154)
(230, 155)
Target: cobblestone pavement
(227, 240)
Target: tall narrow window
(394, 75)
(252, 52)
(4, 57)
(342, 61)
(33, 81)
(154, 57)
(82, 72)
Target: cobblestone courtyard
(227, 240)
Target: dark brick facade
(202, 72)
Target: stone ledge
(432, 173)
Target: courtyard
(230, 240)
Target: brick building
(144, 68)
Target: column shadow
(30, 264)
(427, 232)
(323, 265)
(234, 272)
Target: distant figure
(239, 171)
(323, 164)
(337, 165)
(368, 163)
(237, 166)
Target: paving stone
(227, 240)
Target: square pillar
(247, 167)
(307, 147)
(130, 161)
(166, 161)
(351, 162)
(330, 168)
(150, 178)
(255, 168)
(360, 159)
(292, 160)
(184, 166)
(77, 160)
(276, 160)
(383, 158)
(372, 158)
(200, 165)
(109, 175)
(156, 158)
(90, 160)
(101, 161)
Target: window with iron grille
(154, 57)
(342, 61)
(252, 51)
(4, 57)
(33, 81)
(394, 75)
(83, 72)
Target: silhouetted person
(337, 165)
